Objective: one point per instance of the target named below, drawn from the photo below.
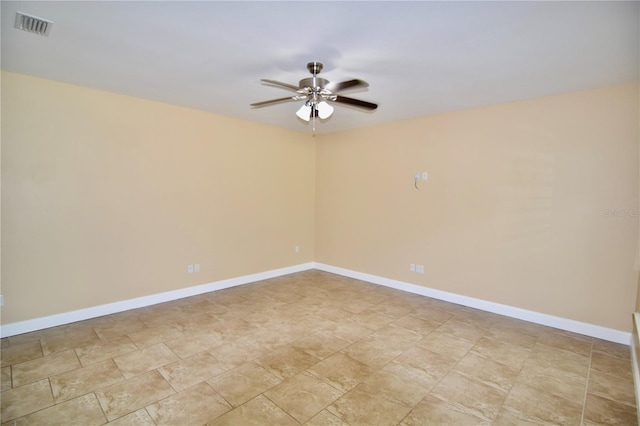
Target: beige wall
(107, 197)
(514, 210)
(638, 252)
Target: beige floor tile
(433, 411)
(612, 387)
(303, 396)
(194, 406)
(560, 359)
(5, 378)
(195, 323)
(355, 305)
(325, 418)
(243, 383)
(399, 384)
(333, 313)
(161, 315)
(446, 345)
(137, 418)
(612, 349)
(530, 405)
(321, 345)
(553, 381)
(346, 329)
(341, 371)
(398, 337)
(128, 396)
(419, 325)
(120, 328)
(372, 319)
(470, 396)
(104, 350)
(26, 399)
(362, 408)
(433, 314)
(19, 353)
(374, 353)
(601, 411)
(525, 327)
(507, 418)
(462, 330)
(301, 327)
(238, 351)
(274, 335)
(191, 344)
(611, 365)
(567, 341)
(432, 364)
(35, 336)
(392, 309)
(69, 340)
(143, 360)
(84, 410)
(233, 328)
(259, 411)
(476, 317)
(505, 353)
(190, 371)
(41, 368)
(154, 335)
(84, 380)
(486, 371)
(512, 336)
(286, 361)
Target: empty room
(319, 213)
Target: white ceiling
(419, 58)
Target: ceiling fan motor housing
(308, 82)
(314, 67)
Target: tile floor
(316, 349)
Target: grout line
(586, 388)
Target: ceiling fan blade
(275, 101)
(280, 84)
(344, 85)
(355, 102)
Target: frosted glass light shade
(304, 112)
(324, 110)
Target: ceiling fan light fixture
(324, 110)
(304, 112)
(315, 92)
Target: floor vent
(32, 24)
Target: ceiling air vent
(32, 24)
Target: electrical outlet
(412, 267)
(420, 269)
(196, 267)
(1, 300)
(297, 249)
(425, 176)
(190, 269)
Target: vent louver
(33, 24)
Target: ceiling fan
(316, 93)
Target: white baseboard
(20, 327)
(586, 329)
(592, 330)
